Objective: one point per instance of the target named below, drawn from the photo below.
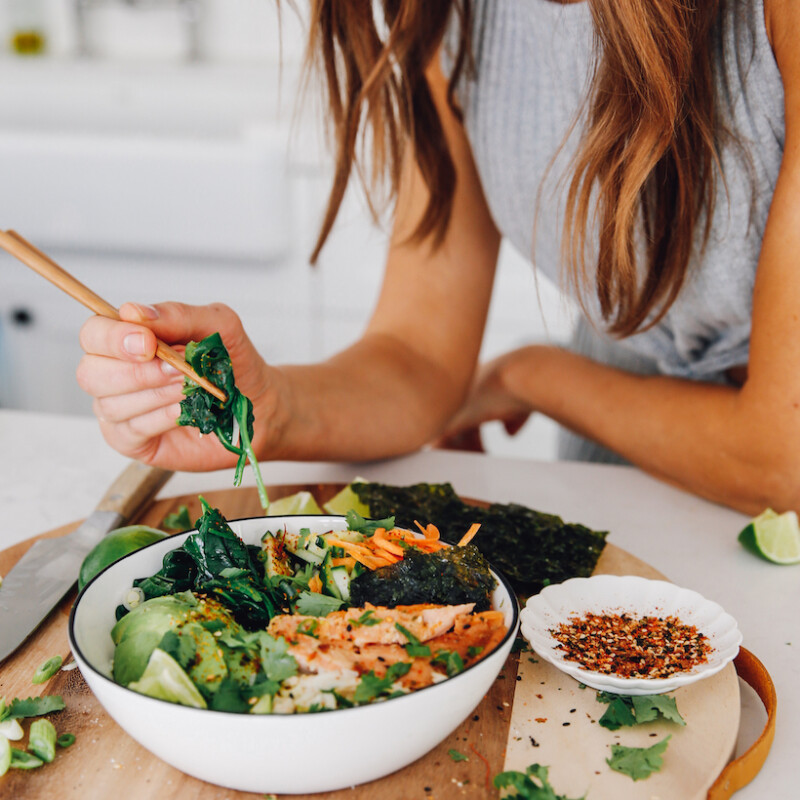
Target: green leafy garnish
(450, 660)
(35, 706)
(457, 756)
(529, 785)
(368, 618)
(231, 421)
(357, 523)
(371, 686)
(276, 660)
(637, 763)
(178, 520)
(625, 711)
(414, 648)
(46, 670)
(314, 604)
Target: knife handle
(136, 485)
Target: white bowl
(639, 596)
(266, 753)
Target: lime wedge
(347, 500)
(165, 680)
(298, 503)
(775, 537)
(113, 546)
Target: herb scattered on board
(625, 711)
(637, 763)
(532, 784)
(42, 738)
(231, 421)
(457, 756)
(531, 548)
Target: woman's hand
(137, 396)
(488, 400)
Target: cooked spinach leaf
(197, 566)
(531, 548)
(231, 421)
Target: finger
(139, 437)
(100, 376)
(125, 407)
(182, 323)
(101, 336)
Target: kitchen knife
(50, 567)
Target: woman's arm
(739, 447)
(387, 394)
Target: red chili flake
(630, 646)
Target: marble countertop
(54, 469)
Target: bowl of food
(219, 649)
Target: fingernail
(168, 369)
(147, 312)
(134, 344)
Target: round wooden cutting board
(532, 714)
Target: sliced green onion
(4, 709)
(5, 755)
(133, 597)
(42, 739)
(65, 740)
(22, 760)
(48, 669)
(11, 729)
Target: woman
(661, 179)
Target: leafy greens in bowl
(259, 742)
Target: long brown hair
(645, 167)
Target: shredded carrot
(315, 584)
(382, 540)
(347, 561)
(468, 536)
(485, 761)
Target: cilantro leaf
(637, 763)
(276, 660)
(529, 785)
(649, 707)
(371, 686)
(450, 660)
(457, 756)
(313, 604)
(414, 647)
(627, 711)
(182, 648)
(35, 706)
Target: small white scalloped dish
(612, 594)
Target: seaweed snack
(532, 549)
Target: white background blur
(156, 150)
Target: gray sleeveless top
(532, 65)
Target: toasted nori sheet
(451, 576)
(532, 549)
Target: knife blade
(49, 569)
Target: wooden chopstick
(29, 255)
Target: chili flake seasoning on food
(632, 647)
